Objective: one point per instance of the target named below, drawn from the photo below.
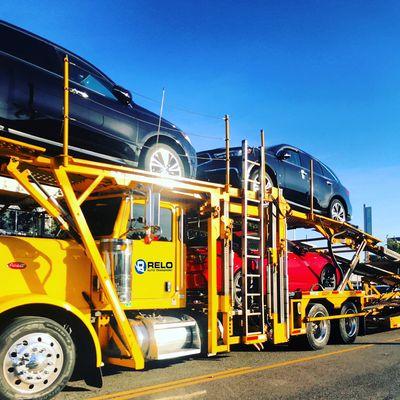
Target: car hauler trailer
(113, 290)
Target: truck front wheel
(37, 358)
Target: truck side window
(101, 214)
(138, 225)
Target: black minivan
(105, 124)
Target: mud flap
(94, 377)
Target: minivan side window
(28, 48)
(88, 77)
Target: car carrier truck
(110, 287)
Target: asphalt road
(368, 369)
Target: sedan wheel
(237, 280)
(164, 160)
(337, 211)
(255, 184)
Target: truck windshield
(101, 214)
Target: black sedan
(288, 168)
(105, 124)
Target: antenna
(161, 112)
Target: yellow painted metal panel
(395, 322)
(11, 302)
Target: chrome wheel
(351, 324)
(319, 329)
(164, 161)
(255, 184)
(32, 363)
(337, 211)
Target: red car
(308, 270)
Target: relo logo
(140, 267)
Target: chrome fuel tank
(164, 337)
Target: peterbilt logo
(141, 266)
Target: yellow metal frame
(80, 180)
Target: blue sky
(321, 75)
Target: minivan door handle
(303, 173)
(329, 183)
(79, 93)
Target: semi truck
(110, 285)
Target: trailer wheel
(318, 333)
(346, 330)
(37, 358)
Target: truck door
(157, 279)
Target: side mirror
(283, 155)
(122, 94)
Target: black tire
(345, 330)
(164, 159)
(237, 280)
(317, 334)
(337, 210)
(327, 278)
(42, 342)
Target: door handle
(79, 93)
(303, 173)
(329, 183)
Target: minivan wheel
(337, 211)
(163, 159)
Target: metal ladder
(253, 243)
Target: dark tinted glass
(328, 173)
(318, 168)
(29, 49)
(89, 77)
(101, 215)
(305, 160)
(294, 157)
